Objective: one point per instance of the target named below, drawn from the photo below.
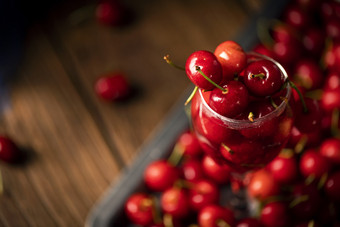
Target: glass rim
(237, 123)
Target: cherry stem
(298, 200)
(305, 109)
(251, 116)
(191, 95)
(176, 155)
(273, 103)
(167, 220)
(222, 223)
(208, 79)
(168, 60)
(260, 75)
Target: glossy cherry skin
(332, 57)
(139, 209)
(333, 28)
(332, 81)
(263, 78)
(330, 148)
(313, 164)
(330, 100)
(192, 170)
(110, 12)
(275, 214)
(208, 64)
(262, 185)
(9, 151)
(261, 49)
(284, 169)
(296, 17)
(215, 216)
(202, 193)
(309, 121)
(313, 41)
(174, 201)
(216, 172)
(332, 186)
(232, 58)
(113, 87)
(308, 74)
(231, 102)
(189, 143)
(160, 175)
(249, 222)
(287, 53)
(306, 201)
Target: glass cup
(243, 144)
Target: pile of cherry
(301, 186)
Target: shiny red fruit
(309, 121)
(332, 81)
(202, 193)
(275, 214)
(313, 164)
(284, 169)
(232, 58)
(249, 222)
(160, 175)
(192, 170)
(9, 152)
(174, 201)
(332, 186)
(215, 216)
(262, 185)
(330, 148)
(110, 12)
(113, 87)
(189, 144)
(139, 209)
(208, 64)
(332, 57)
(308, 74)
(330, 100)
(216, 172)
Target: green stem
(335, 123)
(176, 155)
(260, 75)
(305, 109)
(191, 95)
(208, 79)
(168, 60)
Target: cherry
(330, 9)
(263, 78)
(286, 53)
(208, 64)
(313, 164)
(332, 186)
(113, 87)
(300, 141)
(232, 58)
(332, 57)
(192, 170)
(262, 185)
(275, 214)
(230, 102)
(174, 201)
(333, 28)
(216, 172)
(189, 144)
(9, 151)
(330, 148)
(160, 175)
(296, 17)
(249, 222)
(332, 81)
(308, 74)
(330, 99)
(284, 168)
(305, 201)
(110, 12)
(215, 216)
(139, 209)
(262, 49)
(202, 193)
(313, 40)
(310, 120)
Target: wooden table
(77, 144)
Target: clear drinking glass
(240, 143)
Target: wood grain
(77, 144)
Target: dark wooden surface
(77, 143)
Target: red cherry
(309, 121)
(332, 81)
(262, 185)
(232, 58)
(284, 169)
(306, 140)
(308, 74)
(313, 164)
(313, 40)
(263, 78)
(216, 172)
(9, 152)
(231, 102)
(112, 87)
(139, 209)
(215, 215)
(192, 170)
(332, 186)
(160, 175)
(333, 28)
(330, 100)
(305, 202)
(296, 17)
(261, 49)
(287, 53)
(208, 64)
(202, 193)
(275, 214)
(174, 201)
(332, 57)
(330, 148)
(249, 222)
(330, 9)
(189, 143)
(110, 12)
